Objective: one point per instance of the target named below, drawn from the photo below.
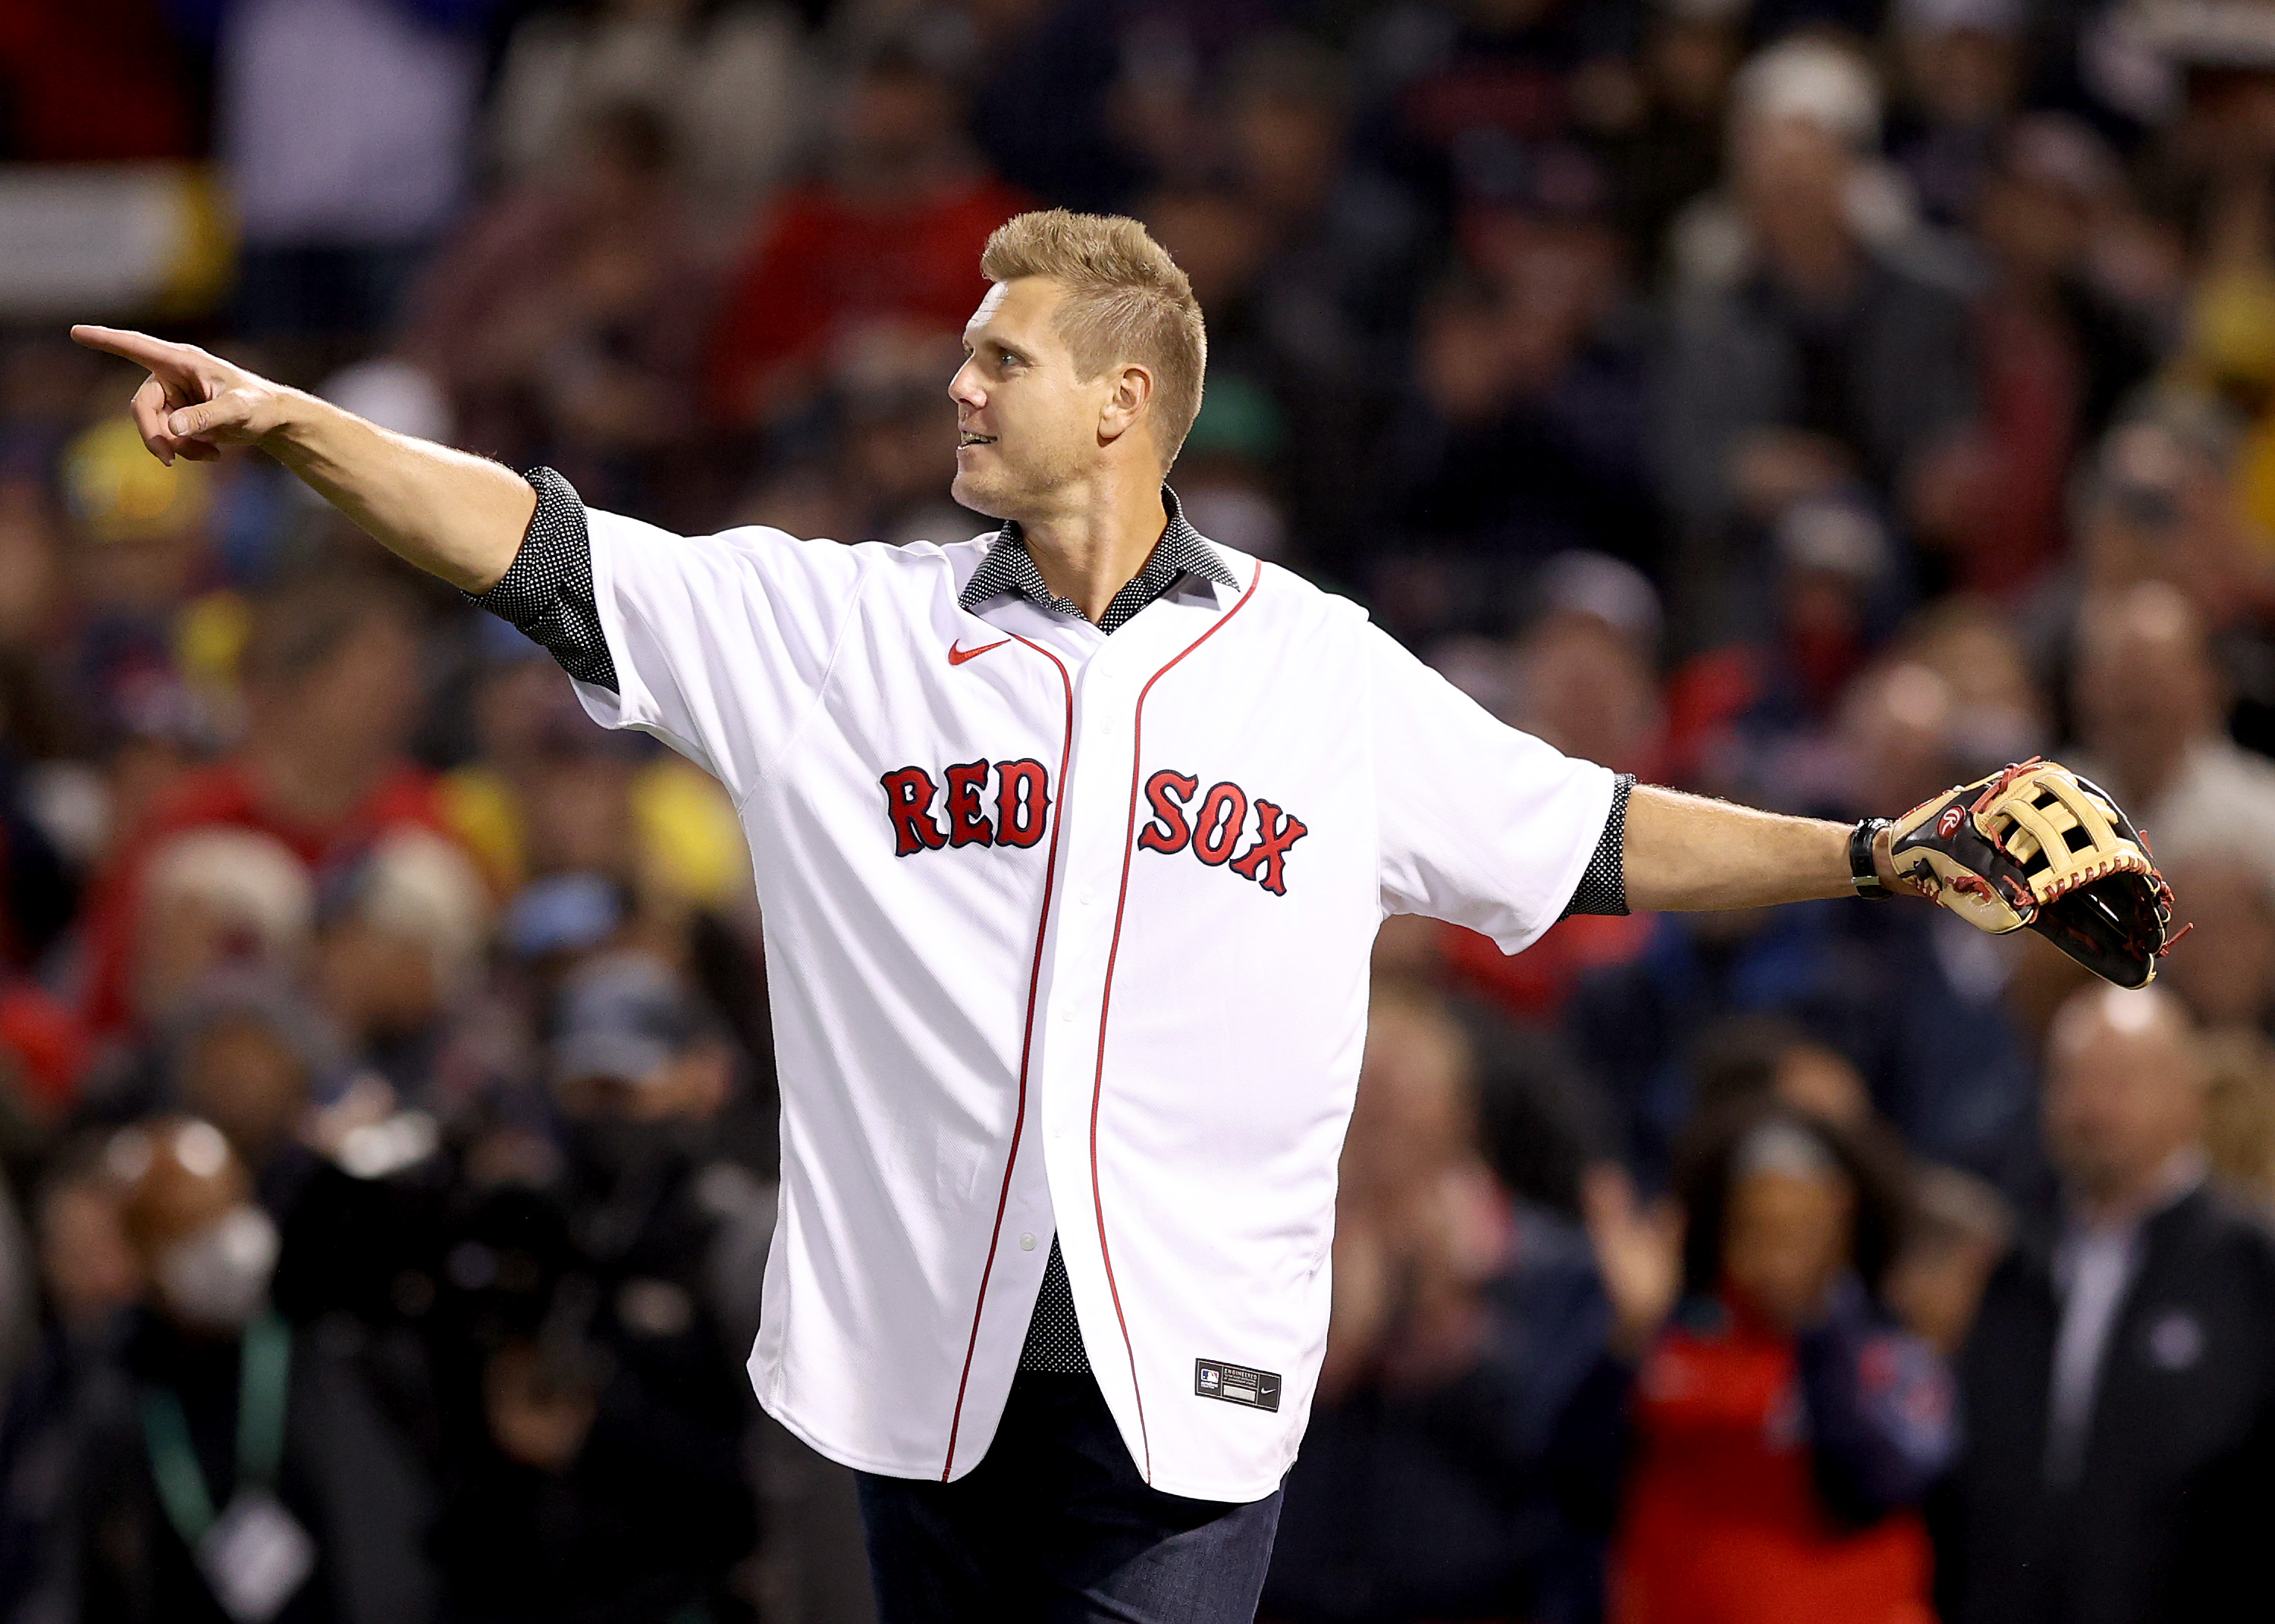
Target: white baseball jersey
(1064, 932)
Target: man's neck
(1091, 549)
(2150, 1193)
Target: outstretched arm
(1686, 852)
(452, 514)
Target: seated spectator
(1585, 686)
(548, 793)
(890, 234)
(2119, 1383)
(90, 1279)
(234, 1467)
(1962, 75)
(215, 899)
(2161, 503)
(1463, 1324)
(1745, 717)
(1957, 1224)
(401, 953)
(2224, 971)
(1522, 435)
(733, 85)
(1824, 360)
(565, 318)
(2149, 706)
(2059, 350)
(1672, 154)
(253, 1058)
(1785, 1429)
(1958, 1230)
(331, 672)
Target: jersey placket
(1079, 1075)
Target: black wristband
(1862, 875)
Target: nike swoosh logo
(957, 656)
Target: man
(228, 1467)
(2152, 718)
(2119, 1388)
(1072, 841)
(610, 1486)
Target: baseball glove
(2037, 845)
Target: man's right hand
(454, 515)
(193, 403)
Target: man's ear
(1125, 404)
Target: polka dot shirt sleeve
(547, 592)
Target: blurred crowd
(1813, 403)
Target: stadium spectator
(734, 86)
(1960, 63)
(1959, 1230)
(564, 318)
(234, 1465)
(1672, 154)
(330, 673)
(401, 954)
(607, 1483)
(1785, 1429)
(2059, 351)
(2119, 1384)
(1522, 435)
(2149, 703)
(214, 900)
(890, 234)
(2226, 977)
(1811, 355)
(1463, 1325)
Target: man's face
(2118, 1105)
(1027, 426)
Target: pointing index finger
(140, 348)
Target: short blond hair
(1126, 301)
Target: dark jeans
(1056, 1525)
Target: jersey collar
(1010, 569)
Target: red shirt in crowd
(827, 265)
(90, 80)
(1723, 1522)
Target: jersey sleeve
(720, 646)
(1479, 824)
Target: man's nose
(962, 389)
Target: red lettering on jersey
(967, 817)
(1216, 831)
(909, 795)
(1171, 831)
(1023, 802)
(1266, 861)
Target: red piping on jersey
(1026, 1048)
(1106, 998)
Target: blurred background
(1814, 402)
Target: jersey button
(1026, 1242)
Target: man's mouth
(968, 438)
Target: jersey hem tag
(1237, 1384)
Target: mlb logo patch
(1235, 1384)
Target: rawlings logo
(1948, 825)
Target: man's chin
(975, 496)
